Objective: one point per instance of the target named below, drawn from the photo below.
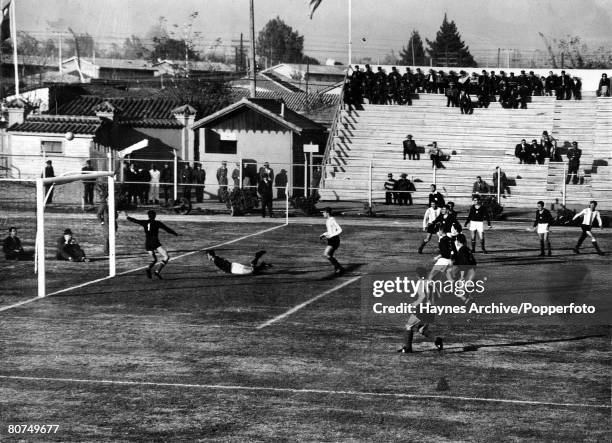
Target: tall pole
(40, 235)
(253, 71)
(14, 38)
(110, 201)
(241, 53)
(350, 40)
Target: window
(51, 147)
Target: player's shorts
(542, 228)
(431, 228)
(223, 264)
(443, 262)
(477, 226)
(152, 245)
(334, 242)
(419, 322)
(239, 269)
(586, 228)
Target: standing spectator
(390, 188)
(48, 173)
(143, 179)
(129, 182)
(404, 188)
(167, 180)
(573, 157)
(465, 103)
(436, 155)
(236, 176)
(521, 151)
(347, 97)
(280, 182)
(12, 246)
(480, 186)
(554, 154)
(502, 180)
(266, 194)
(550, 84)
(68, 248)
(452, 94)
(603, 89)
(546, 141)
(577, 88)
(154, 177)
(436, 197)
(411, 149)
(187, 180)
(88, 185)
(199, 178)
(222, 180)
(266, 170)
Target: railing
(332, 132)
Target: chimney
(106, 110)
(16, 112)
(282, 110)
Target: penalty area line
(81, 285)
(397, 395)
(307, 302)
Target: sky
(378, 27)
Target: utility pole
(253, 70)
(241, 54)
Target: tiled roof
(161, 123)
(131, 109)
(58, 124)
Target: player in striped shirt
(478, 214)
(541, 225)
(589, 215)
(429, 223)
(333, 240)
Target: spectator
(222, 180)
(546, 141)
(236, 176)
(550, 84)
(154, 177)
(266, 170)
(347, 97)
(199, 178)
(88, 185)
(69, 249)
(452, 94)
(555, 155)
(480, 187)
(266, 194)
(167, 180)
(522, 152)
(603, 89)
(48, 173)
(577, 88)
(187, 179)
(390, 188)
(280, 182)
(11, 246)
(573, 157)
(465, 103)
(143, 179)
(404, 189)
(411, 149)
(500, 179)
(538, 152)
(436, 155)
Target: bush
(241, 201)
(308, 205)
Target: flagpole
(14, 38)
(350, 40)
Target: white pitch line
(21, 303)
(307, 302)
(307, 391)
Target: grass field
(187, 359)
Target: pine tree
(407, 57)
(448, 48)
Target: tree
(82, 43)
(134, 49)
(448, 49)
(278, 42)
(414, 53)
(171, 46)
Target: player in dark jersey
(478, 214)
(541, 224)
(237, 268)
(152, 243)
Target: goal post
(40, 220)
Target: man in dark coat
(48, 173)
(573, 157)
(265, 190)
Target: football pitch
(287, 355)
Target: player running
(237, 268)
(333, 240)
(589, 215)
(421, 321)
(478, 214)
(429, 223)
(152, 243)
(541, 225)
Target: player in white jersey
(589, 215)
(333, 240)
(237, 268)
(429, 223)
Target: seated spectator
(411, 148)
(522, 152)
(603, 89)
(12, 247)
(480, 187)
(465, 103)
(404, 188)
(68, 248)
(390, 190)
(537, 152)
(436, 155)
